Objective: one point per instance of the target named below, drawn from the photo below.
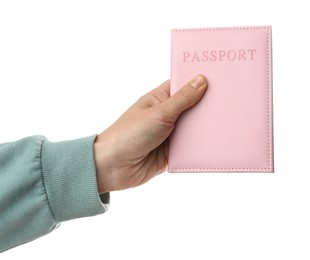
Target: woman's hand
(134, 149)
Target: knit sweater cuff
(69, 176)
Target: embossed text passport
(231, 128)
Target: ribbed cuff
(69, 176)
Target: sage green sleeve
(43, 184)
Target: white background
(68, 69)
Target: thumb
(186, 97)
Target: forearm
(44, 183)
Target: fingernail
(198, 81)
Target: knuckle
(165, 119)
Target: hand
(134, 149)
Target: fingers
(186, 97)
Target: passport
(231, 128)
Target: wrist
(103, 170)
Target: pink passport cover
(230, 129)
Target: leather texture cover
(231, 128)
